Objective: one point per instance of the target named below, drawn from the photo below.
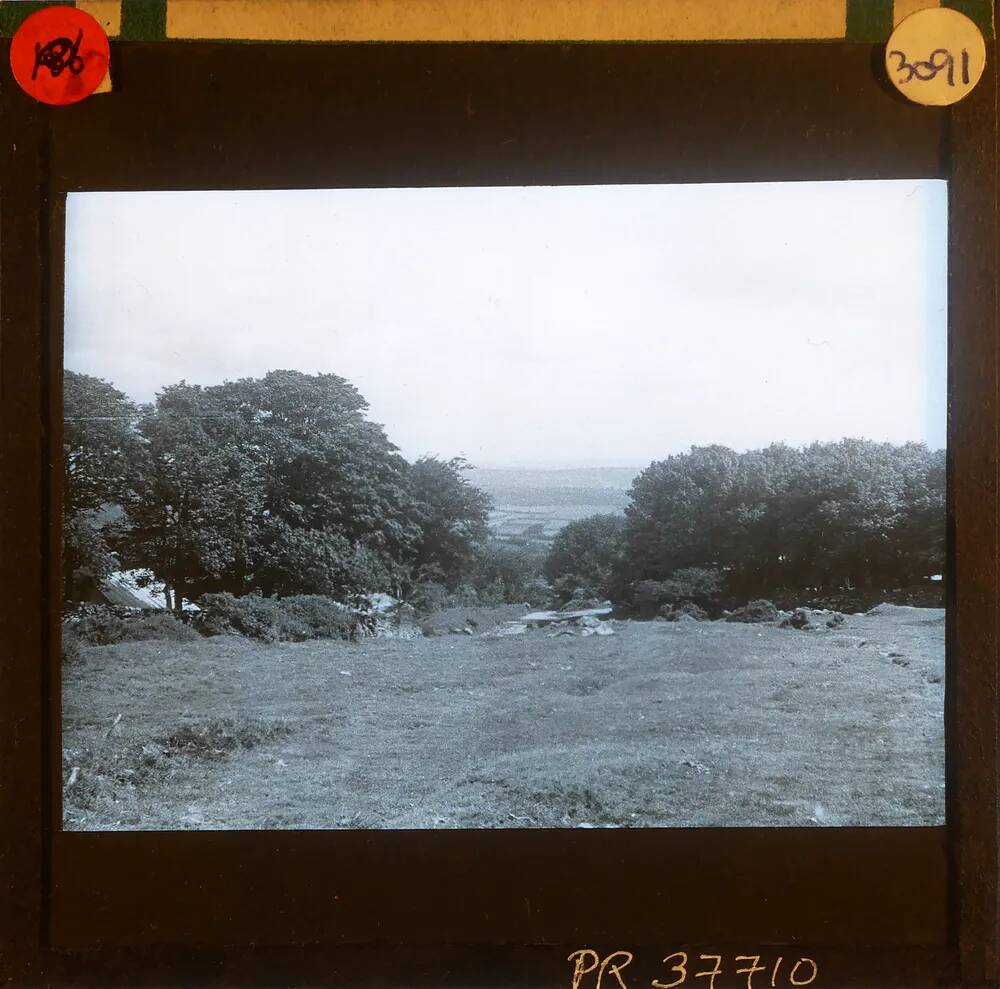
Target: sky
(547, 326)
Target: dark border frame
(905, 906)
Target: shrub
(100, 625)
(430, 596)
(325, 618)
(291, 619)
(504, 572)
(673, 612)
(252, 616)
(700, 585)
(584, 554)
(754, 611)
(697, 585)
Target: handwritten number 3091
(938, 60)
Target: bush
(699, 585)
(754, 611)
(673, 612)
(101, 625)
(291, 619)
(325, 618)
(583, 556)
(430, 596)
(505, 572)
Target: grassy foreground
(661, 724)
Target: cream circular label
(935, 56)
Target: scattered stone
(899, 660)
(604, 629)
(509, 628)
(835, 620)
(583, 604)
(467, 631)
(799, 619)
(696, 766)
(934, 678)
(682, 609)
(754, 611)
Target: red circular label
(59, 55)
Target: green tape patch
(980, 11)
(144, 20)
(13, 14)
(868, 20)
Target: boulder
(799, 619)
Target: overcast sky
(542, 326)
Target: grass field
(660, 724)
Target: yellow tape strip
(107, 13)
(903, 8)
(506, 20)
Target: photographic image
(612, 506)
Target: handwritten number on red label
(59, 55)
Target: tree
(584, 556)
(322, 561)
(828, 515)
(271, 483)
(452, 516)
(322, 465)
(677, 513)
(510, 572)
(196, 513)
(101, 457)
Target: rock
(835, 620)
(589, 621)
(760, 610)
(799, 619)
(673, 612)
(604, 629)
(511, 628)
(934, 678)
(467, 631)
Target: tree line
(834, 515)
(279, 485)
